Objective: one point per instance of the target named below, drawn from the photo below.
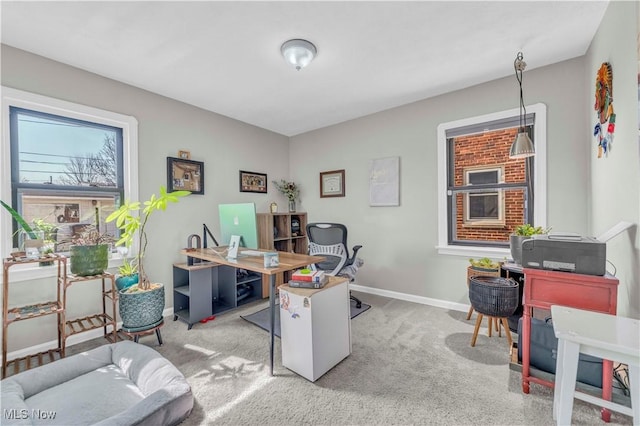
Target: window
(483, 194)
(67, 174)
(483, 208)
(70, 165)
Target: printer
(565, 252)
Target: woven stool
(495, 297)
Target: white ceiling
(225, 56)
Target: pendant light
(522, 147)
(298, 52)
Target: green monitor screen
(239, 219)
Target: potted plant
(521, 233)
(484, 265)
(49, 234)
(35, 238)
(89, 252)
(127, 274)
(290, 190)
(141, 305)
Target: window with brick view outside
(489, 151)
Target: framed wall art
(185, 155)
(253, 182)
(185, 175)
(332, 184)
(384, 182)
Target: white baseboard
(72, 340)
(168, 312)
(411, 298)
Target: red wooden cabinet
(544, 288)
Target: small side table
(592, 333)
(136, 334)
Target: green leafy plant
(289, 189)
(484, 263)
(48, 230)
(128, 268)
(528, 230)
(131, 224)
(18, 218)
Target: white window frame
(484, 222)
(540, 178)
(19, 98)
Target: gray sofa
(118, 384)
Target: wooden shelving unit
(26, 312)
(275, 233)
(98, 320)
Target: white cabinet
(316, 327)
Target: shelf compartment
(21, 313)
(249, 279)
(183, 290)
(91, 322)
(27, 362)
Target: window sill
(467, 251)
(485, 224)
(32, 271)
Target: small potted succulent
(484, 265)
(521, 233)
(127, 274)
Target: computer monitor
(239, 219)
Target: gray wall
(165, 126)
(399, 242)
(615, 180)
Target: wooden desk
(544, 288)
(288, 261)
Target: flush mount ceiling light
(522, 147)
(298, 52)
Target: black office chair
(330, 241)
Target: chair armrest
(353, 256)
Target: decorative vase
(89, 260)
(125, 281)
(292, 206)
(141, 310)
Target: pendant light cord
(519, 66)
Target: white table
(605, 336)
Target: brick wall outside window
(489, 149)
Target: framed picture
(253, 182)
(185, 155)
(384, 182)
(185, 175)
(332, 184)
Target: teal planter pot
(126, 281)
(89, 260)
(141, 310)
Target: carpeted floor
(410, 364)
(261, 318)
